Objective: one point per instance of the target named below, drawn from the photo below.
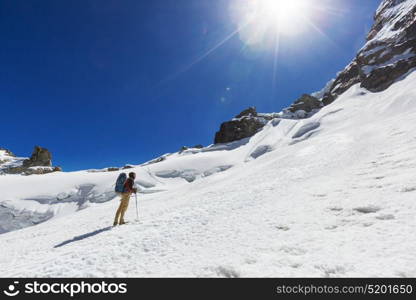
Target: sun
(259, 18)
(284, 15)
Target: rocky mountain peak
(249, 112)
(244, 125)
(40, 157)
(388, 55)
(307, 103)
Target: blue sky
(106, 82)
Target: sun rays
(265, 24)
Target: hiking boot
(122, 222)
(115, 224)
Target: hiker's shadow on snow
(83, 236)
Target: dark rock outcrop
(41, 157)
(249, 112)
(183, 148)
(156, 160)
(389, 54)
(113, 169)
(306, 103)
(244, 125)
(344, 80)
(57, 169)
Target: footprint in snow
(397, 133)
(368, 224)
(375, 186)
(331, 227)
(403, 274)
(293, 250)
(332, 271)
(386, 217)
(367, 209)
(250, 261)
(227, 272)
(282, 227)
(296, 265)
(319, 195)
(408, 189)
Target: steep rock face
(41, 157)
(306, 103)
(390, 51)
(244, 125)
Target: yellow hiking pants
(124, 203)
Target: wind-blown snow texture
(333, 195)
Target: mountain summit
(389, 54)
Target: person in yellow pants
(125, 198)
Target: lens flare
(262, 18)
(287, 16)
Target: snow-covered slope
(333, 195)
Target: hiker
(127, 190)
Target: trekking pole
(137, 209)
